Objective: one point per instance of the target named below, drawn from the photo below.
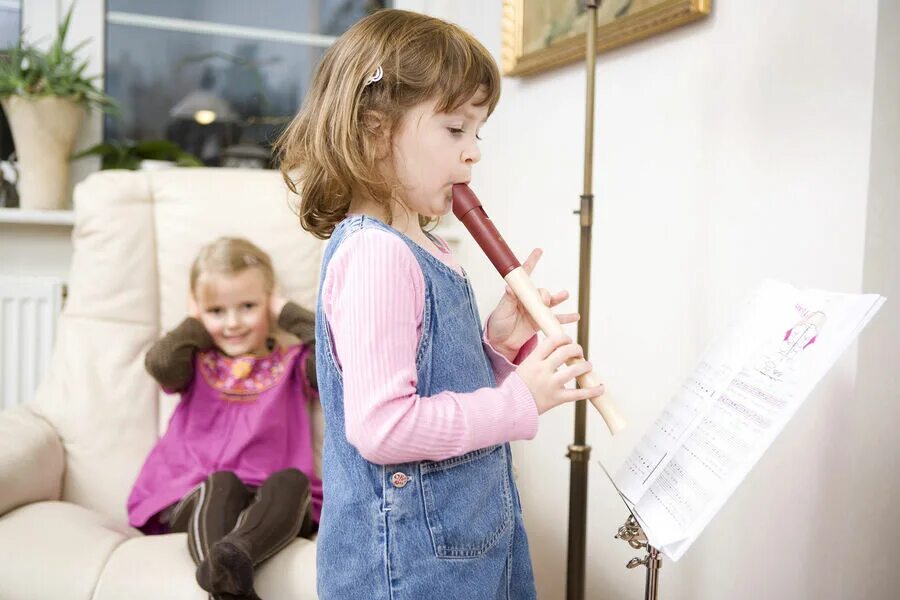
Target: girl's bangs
(462, 76)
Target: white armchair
(68, 459)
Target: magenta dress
(247, 414)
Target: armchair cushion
(31, 459)
(159, 566)
(103, 406)
(56, 550)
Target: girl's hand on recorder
(545, 373)
(510, 325)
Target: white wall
(35, 250)
(869, 458)
(726, 152)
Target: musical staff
(738, 398)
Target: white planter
(44, 131)
(149, 164)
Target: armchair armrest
(32, 459)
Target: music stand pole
(579, 452)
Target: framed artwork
(542, 34)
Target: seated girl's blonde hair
(328, 152)
(230, 256)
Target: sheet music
(740, 396)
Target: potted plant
(140, 155)
(45, 95)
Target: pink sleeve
(373, 298)
(502, 366)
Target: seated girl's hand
(193, 310)
(276, 303)
(545, 373)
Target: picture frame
(539, 35)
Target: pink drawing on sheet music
(796, 339)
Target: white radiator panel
(29, 310)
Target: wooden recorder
(471, 214)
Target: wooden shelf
(65, 218)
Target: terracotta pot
(44, 131)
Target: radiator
(29, 309)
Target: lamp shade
(204, 107)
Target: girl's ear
(378, 129)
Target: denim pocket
(468, 502)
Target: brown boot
(227, 570)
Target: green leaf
(28, 71)
(128, 155)
(105, 149)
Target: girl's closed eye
(214, 310)
(457, 131)
(249, 305)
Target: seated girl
(235, 468)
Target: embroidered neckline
(243, 378)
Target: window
(221, 78)
(10, 22)
(10, 28)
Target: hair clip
(376, 76)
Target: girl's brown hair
(230, 256)
(329, 150)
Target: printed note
(739, 397)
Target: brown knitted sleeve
(311, 369)
(302, 323)
(297, 320)
(171, 359)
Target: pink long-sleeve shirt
(373, 297)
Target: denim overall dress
(422, 530)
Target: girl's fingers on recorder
(565, 318)
(564, 353)
(576, 394)
(546, 298)
(570, 372)
(557, 298)
(532, 260)
(549, 344)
